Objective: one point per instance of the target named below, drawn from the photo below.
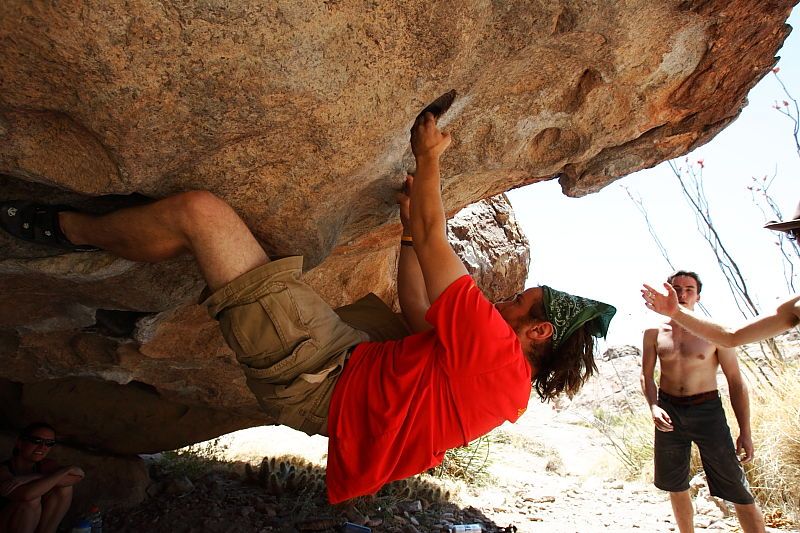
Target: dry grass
(775, 420)
(631, 438)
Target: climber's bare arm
(411, 290)
(439, 263)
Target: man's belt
(694, 399)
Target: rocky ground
(554, 471)
(551, 472)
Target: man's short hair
(688, 273)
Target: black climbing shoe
(38, 224)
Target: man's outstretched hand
(426, 139)
(663, 304)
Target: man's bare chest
(678, 344)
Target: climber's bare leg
(194, 222)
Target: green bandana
(567, 313)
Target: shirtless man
(687, 407)
(783, 318)
(35, 492)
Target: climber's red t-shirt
(399, 405)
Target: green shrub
(468, 463)
(193, 461)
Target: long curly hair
(564, 370)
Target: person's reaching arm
(439, 263)
(661, 419)
(411, 290)
(740, 401)
(758, 328)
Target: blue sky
(599, 246)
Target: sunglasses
(38, 441)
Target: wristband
(408, 242)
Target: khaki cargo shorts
(291, 345)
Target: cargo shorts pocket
(306, 401)
(296, 390)
(284, 371)
(271, 325)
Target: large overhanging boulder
(297, 113)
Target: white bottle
(95, 518)
(466, 528)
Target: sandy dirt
(551, 472)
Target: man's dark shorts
(291, 345)
(705, 424)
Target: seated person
(35, 492)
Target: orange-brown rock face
(488, 240)
(297, 113)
